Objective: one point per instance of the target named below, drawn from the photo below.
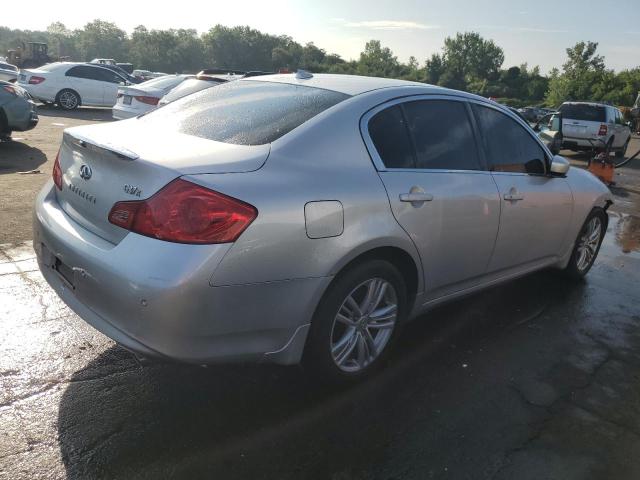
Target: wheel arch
(409, 266)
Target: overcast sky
(532, 31)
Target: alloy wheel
(68, 100)
(364, 325)
(588, 244)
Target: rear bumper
(154, 297)
(578, 143)
(122, 112)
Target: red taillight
(10, 89)
(184, 212)
(603, 130)
(36, 80)
(148, 100)
(57, 172)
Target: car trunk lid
(99, 171)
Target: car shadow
(81, 113)
(16, 156)
(118, 418)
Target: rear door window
(509, 147)
(584, 112)
(244, 112)
(442, 135)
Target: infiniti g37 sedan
(304, 218)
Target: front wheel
(68, 100)
(356, 322)
(587, 244)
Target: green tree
(102, 39)
(376, 60)
(581, 76)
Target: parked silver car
(303, 217)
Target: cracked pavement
(538, 378)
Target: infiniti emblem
(85, 172)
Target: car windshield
(581, 111)
(245, 112)
(188, 87)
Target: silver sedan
(304, 218)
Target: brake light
(147, 100)
(57, 172)
(603, 130)
(36, 80)
(184, 212)
(10, 89)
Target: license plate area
(127, 100)
(65, 271)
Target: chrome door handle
(415, 197)
(513, 197)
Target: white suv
(70, 85)
(588, 124)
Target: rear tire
(351, 337)
(620, 153)
(68, 99)
(5, 133)
(587, 245)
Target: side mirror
(559, 166)
(629, 124)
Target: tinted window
(81, 72)
(509, 147)
(581, 111)
(106, 75)
(244, 112)
(389, 133)
(442, 135)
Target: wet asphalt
(535, 379)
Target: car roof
(347, 84)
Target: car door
(82, 80)
(440, 193)
(536, 208)
(110, 81)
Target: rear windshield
(162, 82)
(588, 113)
(244, 112)
(188, 87)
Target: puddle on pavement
(627, 233)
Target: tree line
(467, 61)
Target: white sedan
(70, 85)
(135, 100)
(8, 72)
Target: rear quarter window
(244, 112)
(586, 113)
